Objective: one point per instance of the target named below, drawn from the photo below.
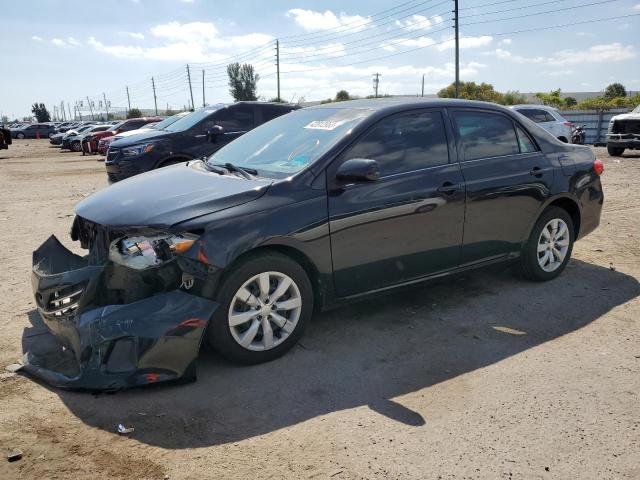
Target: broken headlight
(141, 252)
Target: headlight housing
(142, 252)
(137, 150)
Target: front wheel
(615, 151)
(548, 249)
(265, 302)
(76, 146)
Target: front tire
(548, 249)
(615, 152)
(266, 302)
(76, 146)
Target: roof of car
(382, 103)
(531, 105)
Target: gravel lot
(482, 376)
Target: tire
(51, 134)
(615, 152)
(20, 136)
(76, 146)
(531, 257)
(225, 339)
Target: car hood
(626, 116)
(166, 196)
(139, 138)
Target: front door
(409, 223)
(507, 178)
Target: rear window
(537, 115)
(485, 135)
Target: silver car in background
(548, 118)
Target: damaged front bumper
(623, 140)
(149, 338)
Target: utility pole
(55, 113)
(190, 89)
(106, 105)
(128, 101)
(376, 82)
(69, 108)
(204, 104)
(455, 12)
(155, 100)
(64, 117)
(278, 66)
(90, 108)
(422, 85)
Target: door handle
(448, 188)
(536, 172)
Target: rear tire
(261, 310)
(548, 250)
(76, 146)
(615, 152)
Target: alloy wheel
(264, 311)
(553, 245)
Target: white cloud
(561, 73)
(637, 7)
(186, 32)
(135, 35)
(36, 38)
(419, 22)
(312, 20)
(419, 42)
(466, 42)
(505, 41)
(73, 42)
(613, 52)
(507, 55)
(58, 42)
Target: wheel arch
(567, 203)
(180, 157)
(563, 139)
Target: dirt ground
(481, 376)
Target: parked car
(624, 133)
(71, 135)
(311, 210)
(5, 138)
(196, 135)
(75, 142)
(91, 144)
(123, 126)
(548, 118)
(36, 130)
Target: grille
(63, 303)
(112, 154)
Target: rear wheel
(76, 146)
(265, 303)
(20, 135)
(615, 151)
(548, 249)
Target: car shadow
(368, 353)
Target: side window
(234, 119)
(404, 143)
(548, 117)
(270, 112)
(132, 126)
(485, 135)
(524, 142)
(534, 114)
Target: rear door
(507, 178)
(409, 223)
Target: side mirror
(213, 133)
(358, 170)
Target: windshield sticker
(323, 125)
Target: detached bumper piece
(109, 347)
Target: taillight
(568, 124)
(598, 167)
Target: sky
(84, 51)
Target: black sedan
(314, 209)
(37, 130)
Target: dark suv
(196, 135)
(38, 130)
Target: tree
(134, 113)
(570, 102)
(40, 112)
(615, 90)
(473, 91)
(342, 96)
(513, 98)
(243, 81)
(277, 100)
(553, 98)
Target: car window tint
(270, 112)
(534, 114)
(404, 143)
(524, 142)
(236, 119)
(485, 135)
(548, 117)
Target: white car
(548, 118)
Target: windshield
(289, 143)
(116, 126)
(188, 121)
(168, 121)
